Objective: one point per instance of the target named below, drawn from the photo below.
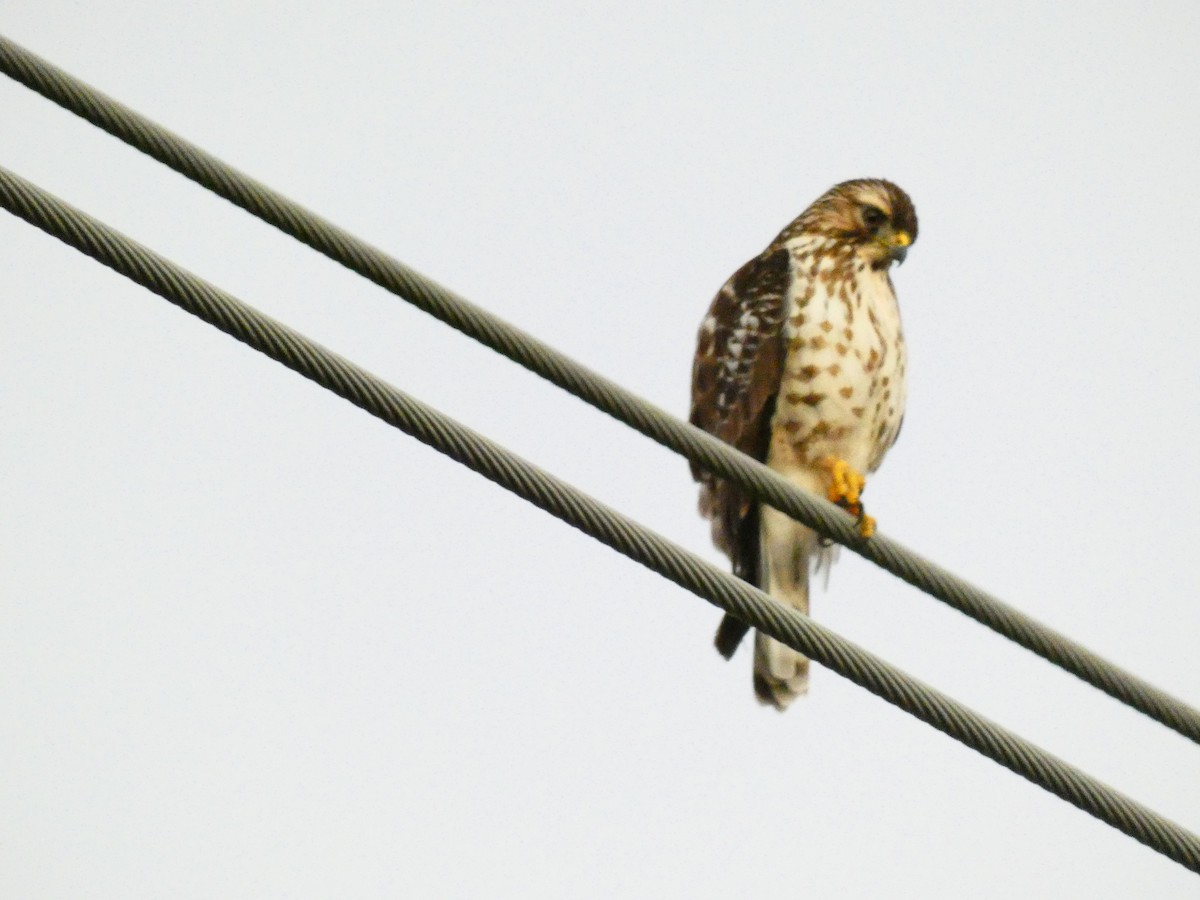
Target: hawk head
(875, 216)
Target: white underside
(789, 549)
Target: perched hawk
(800, 364)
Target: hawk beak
(898, 245)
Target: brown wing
(735, 379)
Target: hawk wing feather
(735, 381)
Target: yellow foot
(845, 489)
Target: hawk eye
(873, 217)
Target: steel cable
(560, 499)
(326, 238)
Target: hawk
(800, 364)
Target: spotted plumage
(800, 363)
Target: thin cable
(698, 446)
(560, 499)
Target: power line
(633, 540)
(698, 446)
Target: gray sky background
(253, 643)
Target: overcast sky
(254, 643)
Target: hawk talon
(846, 484)
(845, 489)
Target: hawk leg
(845, 489)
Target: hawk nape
(800, 364)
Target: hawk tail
(781, 673)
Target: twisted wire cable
(593, 518)
(372, 263)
